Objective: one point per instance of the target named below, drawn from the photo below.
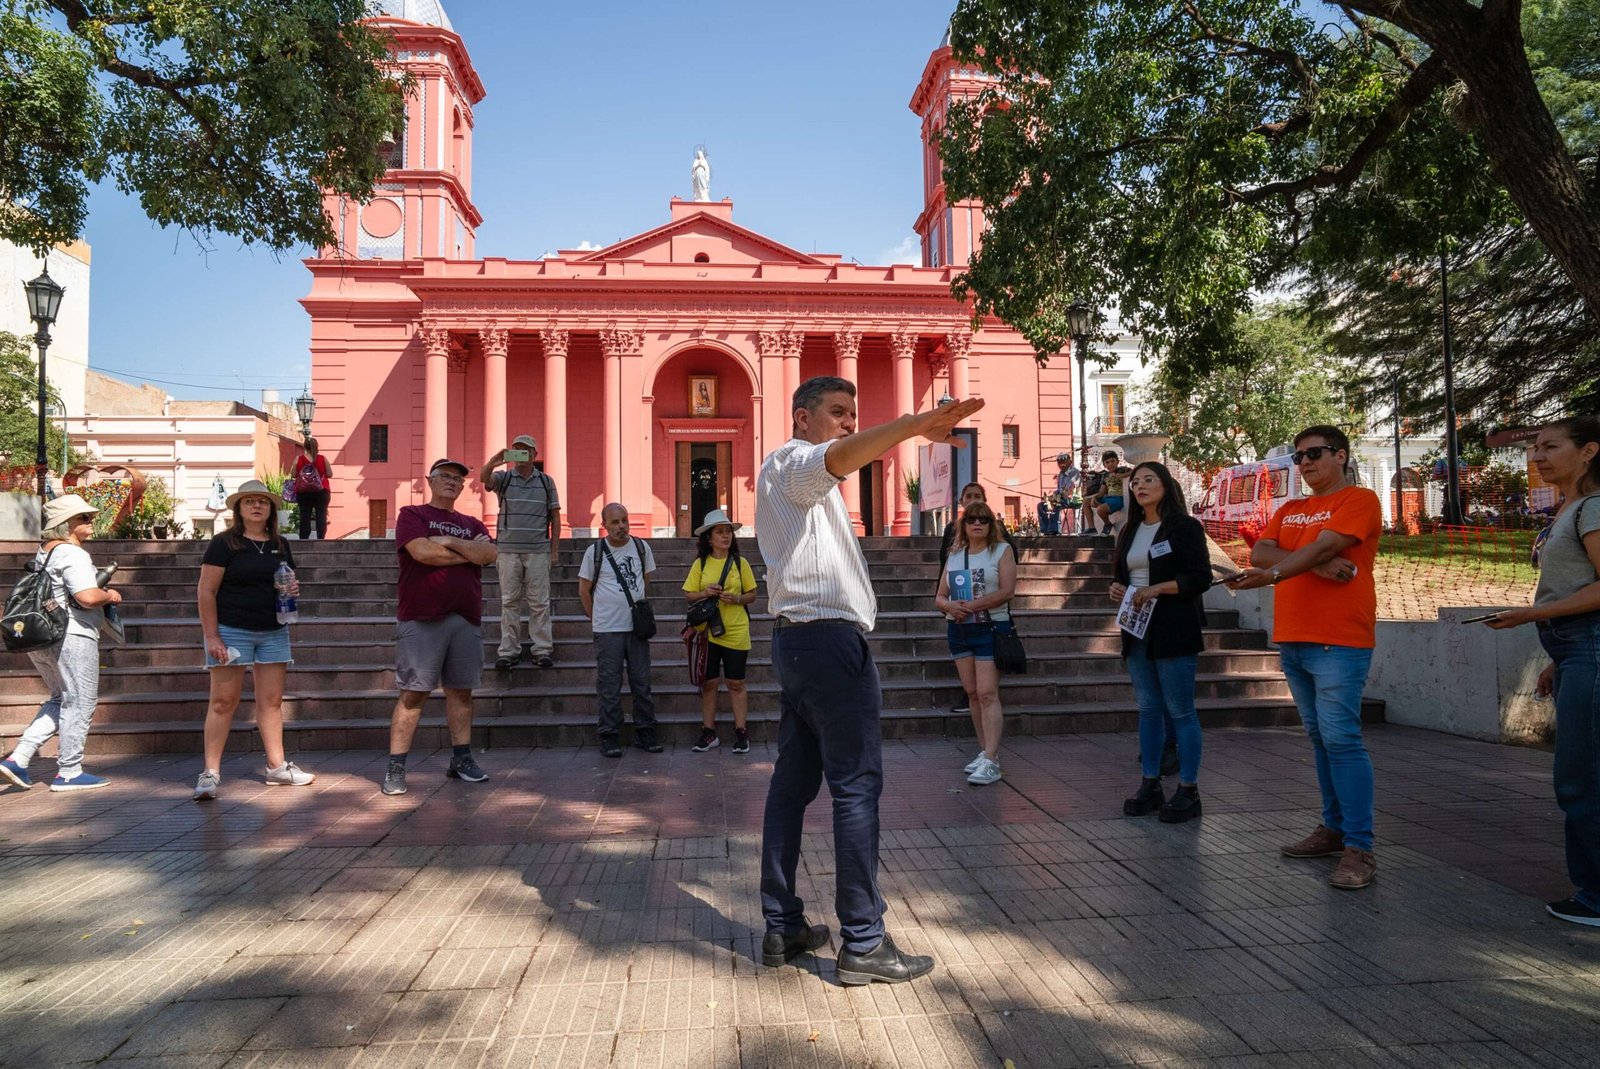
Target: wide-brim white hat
(61, 509)
(716, 518)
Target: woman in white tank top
(975, 589)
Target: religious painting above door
(703, 395)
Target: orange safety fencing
(1418, 574)
(19, 479)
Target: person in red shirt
(437, 641)
(312, 489)
(1318, 552)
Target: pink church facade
(656, 371)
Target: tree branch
(1290, 60)
(1401, 54)
(1430, 75)
(78, 17)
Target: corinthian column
(435, 391)
(496, 341)
(903, 348)
(958, 346)
(615, 343)
(556, 449)
(846, 351)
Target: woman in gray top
(1566, 608)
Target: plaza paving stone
(576, 911)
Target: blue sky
(591, 119)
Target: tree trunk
(1525, 147)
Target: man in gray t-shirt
(526, 534)
(616, 648)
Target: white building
(67, 362)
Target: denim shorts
(974, 640)
(255, 647)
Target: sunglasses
(980, 520)
(1314, 453)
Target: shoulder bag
(644, 615)
(1009, 656)
(707, 612)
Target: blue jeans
(1049, 519)
(828, 728)
(1164, 688)
(1574, 645)
(1326, 682)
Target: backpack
(34, 618)
(307, 479)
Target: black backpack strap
(617, 569)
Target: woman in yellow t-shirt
(720, 572)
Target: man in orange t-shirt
(1319, 551)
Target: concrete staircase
(341, 686)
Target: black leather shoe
(1183, 805)
(610, 744)
(645, 739)
(884, 963)
(1146, 801)
(777, 948)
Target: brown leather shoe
(1320, 843)
(1355, 870)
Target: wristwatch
(1276, 575)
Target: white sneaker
(972, 765)
(987, 772)
(205, 788)
(287, 774)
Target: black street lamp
(1453, 512)
(305, 406)
(1080, 320)
(44, 301)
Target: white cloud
(908, 251)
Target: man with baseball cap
(527, 533)
(438, 642)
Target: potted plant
(913, 488)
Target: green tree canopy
(1168, 158)
(230, 117)
(19, 414)
(1283, 383)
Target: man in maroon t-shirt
(438, 642)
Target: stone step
(516, 730)
(1098, 617)
(931, 666)
(333, 588)
(673, 696)
(581, 649)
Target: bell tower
(950, 233)
(423, 204)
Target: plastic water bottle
(288, 607)
(102, 579)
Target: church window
(1010, 441)
(378, 443)
(701, 258)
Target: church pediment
(701, 236)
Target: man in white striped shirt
(820, 592)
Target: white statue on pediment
(700, 175)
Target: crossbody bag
(644, 614)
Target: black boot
(1169, 759)
(1147, 801)
(1183, 805)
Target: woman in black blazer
(1161, 554)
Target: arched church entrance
(704, 456)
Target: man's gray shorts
(444, 653)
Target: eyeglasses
(449, 477)
(980, 520)
(256, 501)
(1314, 453)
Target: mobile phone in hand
(1481, 619)
(517, 456)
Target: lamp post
(1453, 512)
(44, 301)
(305, 406)
(1080, 319)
